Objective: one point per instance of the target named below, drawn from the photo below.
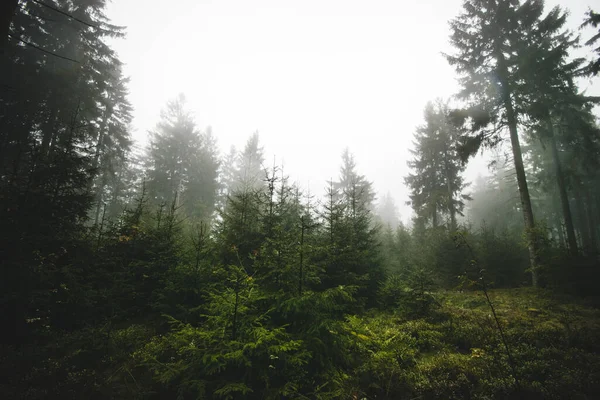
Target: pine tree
(492, 40)
(349, 236)
(283, 266)
(387, 212)
(238, 229)
(227, 175)
(569, 147)
(250, 172)
(593, 19)
(352, 185)
(558, 113)
(201, 194)
(436, 184)
(112, 148)
(495, 199)
(58, 76)
(182, 163)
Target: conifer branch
(42, 50)
(65, 14)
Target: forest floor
(456, 350)
(446, 345)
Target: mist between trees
(181, 271)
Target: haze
(151, 248)
(311, 77)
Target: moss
(460, 355)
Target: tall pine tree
(494, 43)
(182, 163)
(436, 184)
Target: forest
(175, 270)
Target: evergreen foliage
(436, 183)
(180, 273)
(499, 48)
(592, 19)
(182, 163)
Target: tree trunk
(562, 189)
(558, 221)
(561, 233)
(450, 195)
(96, 161)
(101, 133)
(532, 243)
(583, 225)
(302, 226)
(592, 221)
(99, 196)
(49, 130)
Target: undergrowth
(455, 351)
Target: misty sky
(311, 76)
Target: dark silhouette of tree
(183, 163)
(353, 187)
(592, 19)
(250, 171)
(387, 212)
(7, 10)
(496, 44)
(436, 184)
(55, 111)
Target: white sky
(312, 76)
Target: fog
(311, 77)
(199, 199)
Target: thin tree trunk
(561, 233)
(301, 256)
(235, 309)
(596, 211)
(450, 194)
(101, 227)
(331, 217)
(584, 228)
(99, 196)
(592, 221)
(562, 189)
(532, 243)
(21, 138)
(49, 130)
(558, 221)
(96, 162)
(67, 138)
(116, 193)
(101, 134)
